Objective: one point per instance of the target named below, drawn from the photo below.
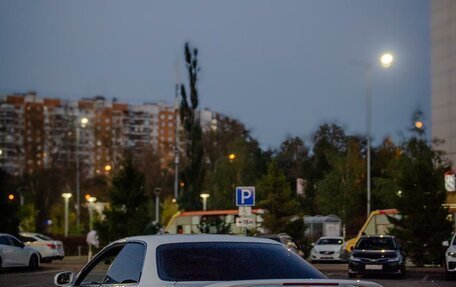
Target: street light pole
(67, 197)
(204, 196)
(78, 203)
(157, 191)
(82, 124)
(369, 127)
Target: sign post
(245, 199)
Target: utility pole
(176, 146)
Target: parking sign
(245, 196)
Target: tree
(418, 172)
(292, 155)
(193, 173)
(275, 195)
(127, 214)
(9, 206)
(341, 191)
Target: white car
(48, 248)
(450, 257)
(327, 249)
(198, 260)
(13, 253)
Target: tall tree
(127, 214)
(291, 157)
(193, 173)
(341, 191)
(423, 225)
(275, 195)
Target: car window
(376, 243)
(14, 242)
(4, 240)
(222, 261)
(27, 239)
(329, 241)
(120, 264)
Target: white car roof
(180, 238)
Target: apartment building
(91, 133)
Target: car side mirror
(63, 278)
(351, 248)
(445, 243)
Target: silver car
(199, 260)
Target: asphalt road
(44, 276)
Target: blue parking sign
(245, 196)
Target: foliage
(8, 208)
(341, 191)
(193, 173)
(423, 225)
(169, 208)
(128, 213)
(275, 195)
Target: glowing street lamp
(204, 196)
(232, 156)
(82, 124)
(386, 60)
(67, 197)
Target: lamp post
(204, 196)
(90, 200)
(19, 190)
(386, 60)
(67, 197)
(157, 191)
(82, 124)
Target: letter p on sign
(245, 196)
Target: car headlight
(451, 254)
(355, 259)
(396, 259)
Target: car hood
(328, 247)
(452, 248)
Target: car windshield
(329, 241)
(376, 243)
(225, 261)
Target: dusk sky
(281, 67)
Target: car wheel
(33, 262)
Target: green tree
(291, 158)
(193, 173)
(127, 214)
(275, 195)
(342, 190)
(8, 207)
(423, 225)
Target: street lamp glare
(107, 167)
(419, 124)
(386, 60)
(232, 156)
(204, 195)
(84, 121)
(67, 195)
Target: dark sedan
(377, 255)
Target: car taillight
(52, 246)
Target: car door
(119, 264)
(13, 252)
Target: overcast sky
(281, 67)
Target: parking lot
(44, 276)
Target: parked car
(285, 239)
(379, 254)
(48, 248)
(198, 260)
(328, 249)
(450, 257)
(13, 253)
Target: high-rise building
(91, 133)
(443, 73)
